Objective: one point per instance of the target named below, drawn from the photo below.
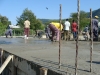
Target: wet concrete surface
(46, 53)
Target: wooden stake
(60, 36)
(43, 71)
(1, 56)
(78, 18)
(5, 63)
(91, 43)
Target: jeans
(74, 35)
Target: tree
(52, 20)
(4, 22)
(35, 23)
(83, 19)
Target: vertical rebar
(91, 43)
(78, 19)
(60, 36)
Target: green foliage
(44, 21)
(20, 32)
(83, 19)
(4, 22)
(35, 23)
(1, 25)
(95, 13)
(17, 32)
(49, 21)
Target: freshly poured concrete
(46, 53)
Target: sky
(14, 8)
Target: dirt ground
(46, 53)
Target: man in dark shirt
(95, 28)
(8, 31)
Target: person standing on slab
(74, 29)
(95, 28)
(47, 32)
(66, 29)
(26, 28)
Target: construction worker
(26, 28)
(47, 32)
(66, 29)
(74, 29)
(95, 28)
(9, 31)
(55, 29)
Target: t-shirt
(74, 27)
(57, 25)
(27, 24)
(66, 25)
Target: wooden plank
(5, 63)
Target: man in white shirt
(66, 29)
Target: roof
(13, 26)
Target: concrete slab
(46, 53)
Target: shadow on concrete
(5, 42)
(56, 64)
(95, 62)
